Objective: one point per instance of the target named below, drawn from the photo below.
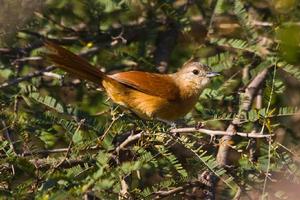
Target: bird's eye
(196, 71)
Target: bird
(151, 96)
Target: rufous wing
(150, 83)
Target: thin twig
(218, 132)
(238, 194)
(270, 142)
(44, 71)
(70, 145)
(288, 150)
(7, 134)
(260, 23)
(46, 163)
(26, 59)
(124, 194)
(66, 156)
(131, 138)
(267, 171)
(53, 75)
(42, 16)
(165, 193)
(253, 143)
(63, 150)
(27, 77)
(47, 151)
(8, 137)
(110, 126)
(196, 153)
(212, 18)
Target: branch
(261, 23)
(165, 193)
(27, 77)
(44, 71)
(46, 152)
(131, 33)
(46, 163)
(250, 92)
(27, 59)
(253, 88)
(253, 145)
(217, 132)
(130, 139)
(204, 183)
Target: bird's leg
(166, 122)
(179, 123)
(172, 124)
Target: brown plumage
(162, 96)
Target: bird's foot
(199, 125)
(173, 125)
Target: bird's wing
(150, 83)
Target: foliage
(61, 138)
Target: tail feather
(73, 63)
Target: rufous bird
(164, 97)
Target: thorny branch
(134, 137)
(27, 77)
(189, 185)
(250, 92)
(203, 182)
(217, 132)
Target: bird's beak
(212, 74)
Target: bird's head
(194, 76)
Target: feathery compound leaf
(28, 89)
(173, 160)
(291, 69)
(219, 8)
(211, 163)
(222, 116)
(229, 86)
(263, 65)
(237, 44)
(68, 125)
(287, 111)
(52, 103)
(219, 62)
(243, 17)
(256, 114)
(49, 102)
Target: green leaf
(48, 101)
(291, 69)
(48, 138)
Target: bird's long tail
(73, 63)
